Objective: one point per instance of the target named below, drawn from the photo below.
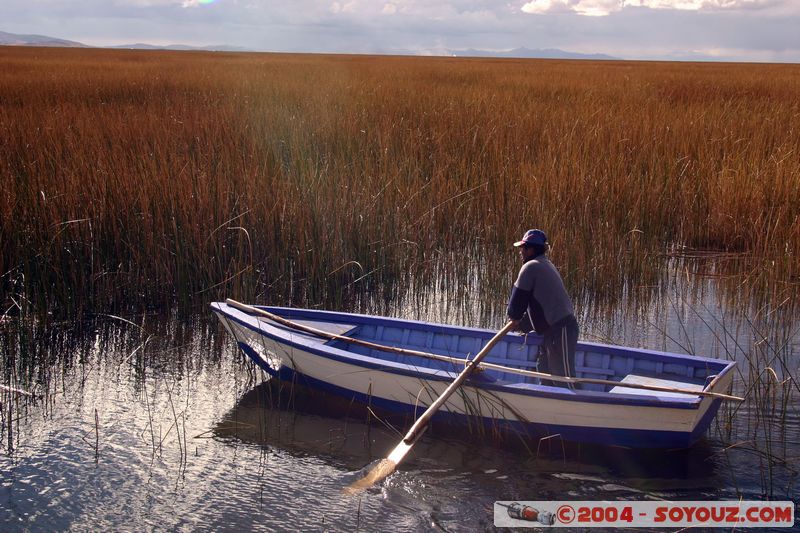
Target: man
(540, 291)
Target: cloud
(540, 7)
(600, 8)
(347, 7)
(751, 30)
(591, 8)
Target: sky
(738, 30)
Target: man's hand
(516, 326)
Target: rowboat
(621, 396)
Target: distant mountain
(547, 53)
(13, 39)
(209, 48)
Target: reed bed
(136, 178)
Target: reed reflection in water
(156, 422)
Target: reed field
(131, 178)
(140, 180)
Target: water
(154, 422)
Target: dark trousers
(557, 353)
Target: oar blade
(385, 468)
(380, 471)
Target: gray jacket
(540, 291)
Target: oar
(386, 466)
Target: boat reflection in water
(303, 421)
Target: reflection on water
(305, 421)
(158, 423)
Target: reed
(763, 428)
(155, 178)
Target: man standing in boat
(540, 291)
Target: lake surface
(152, 422)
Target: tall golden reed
(131, 177)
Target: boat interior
(597, 361)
